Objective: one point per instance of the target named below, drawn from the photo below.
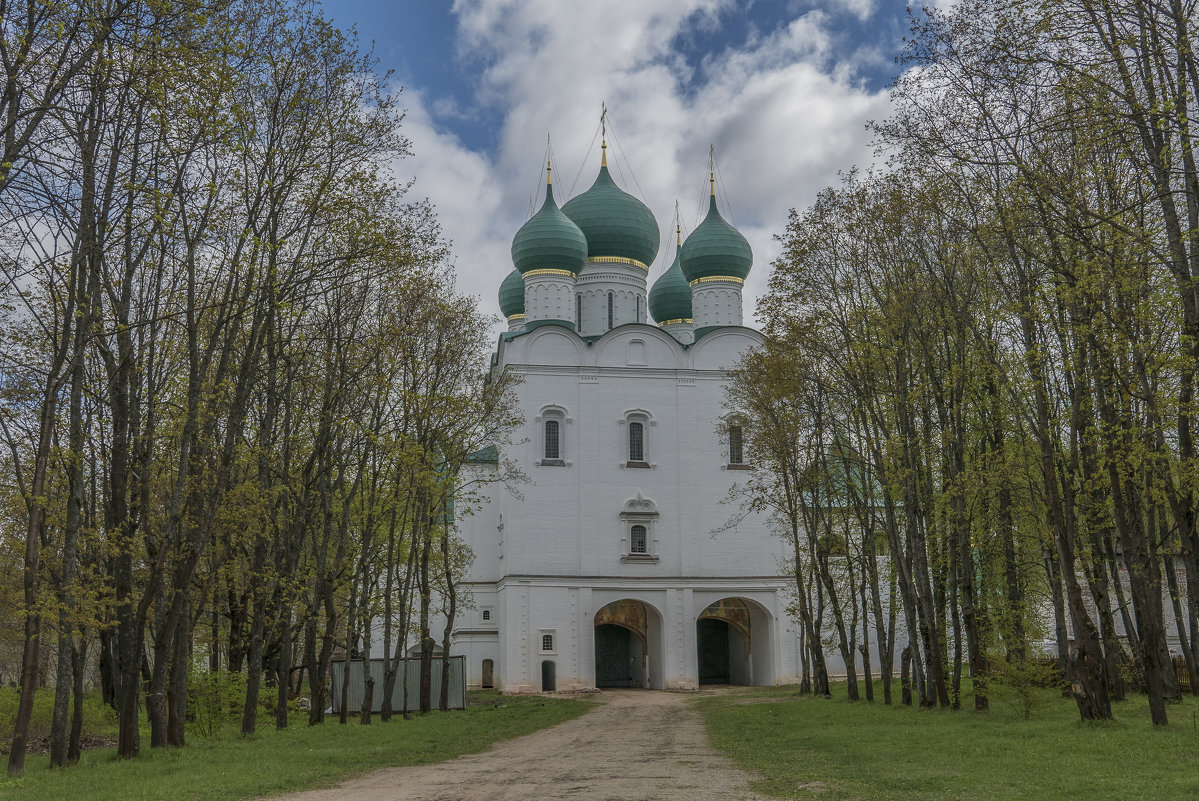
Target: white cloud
(783, 121)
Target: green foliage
(1024, 680)
(832, 749)
(216, 699)
(99, 719)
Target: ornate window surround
(639, 511)
(647, 439)
(558, 413)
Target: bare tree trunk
(79, 659)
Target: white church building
(614, 567)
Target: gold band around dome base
(514, 317)
(675, 321)
(707, 279)
(547, 271)
(618, 260)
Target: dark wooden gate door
(712, 643)
(488, 668)
(613, 656)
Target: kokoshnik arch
(606, 572)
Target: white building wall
(683, 332)
(627, 285)
(548, 561)
(549, 295)
(715, 303)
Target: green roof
(488, 454)
(512, 294)
(670, 296)
(715, 248)
(549, 241)
(614, 222)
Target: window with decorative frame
(638, 442)
(638, 518)
(551, 427)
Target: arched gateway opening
(628, 645)
(733, 643)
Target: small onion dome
(616, 224)
(715, 248)
(670, 297)
(512, 294)
(549, 240)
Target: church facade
(623, 563)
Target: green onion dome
(549, 240)
(670, 296)
(616, 224)
(512, 294)
(715, 249)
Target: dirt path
(639, 744)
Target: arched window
(551, 429)
(736, 452)
(636, 442)
(553, 440)
(578, 312)
(637, 539)
(638, 308)
(611, 306)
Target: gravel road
(638, 744)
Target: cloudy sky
(782, 88)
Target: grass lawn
(833, 749)
(229, 766)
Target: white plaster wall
(626, 282)
(716, 303)
(683, 332)
(549, 297)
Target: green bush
(1024, 678)
(214, 699)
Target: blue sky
(783, 89)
